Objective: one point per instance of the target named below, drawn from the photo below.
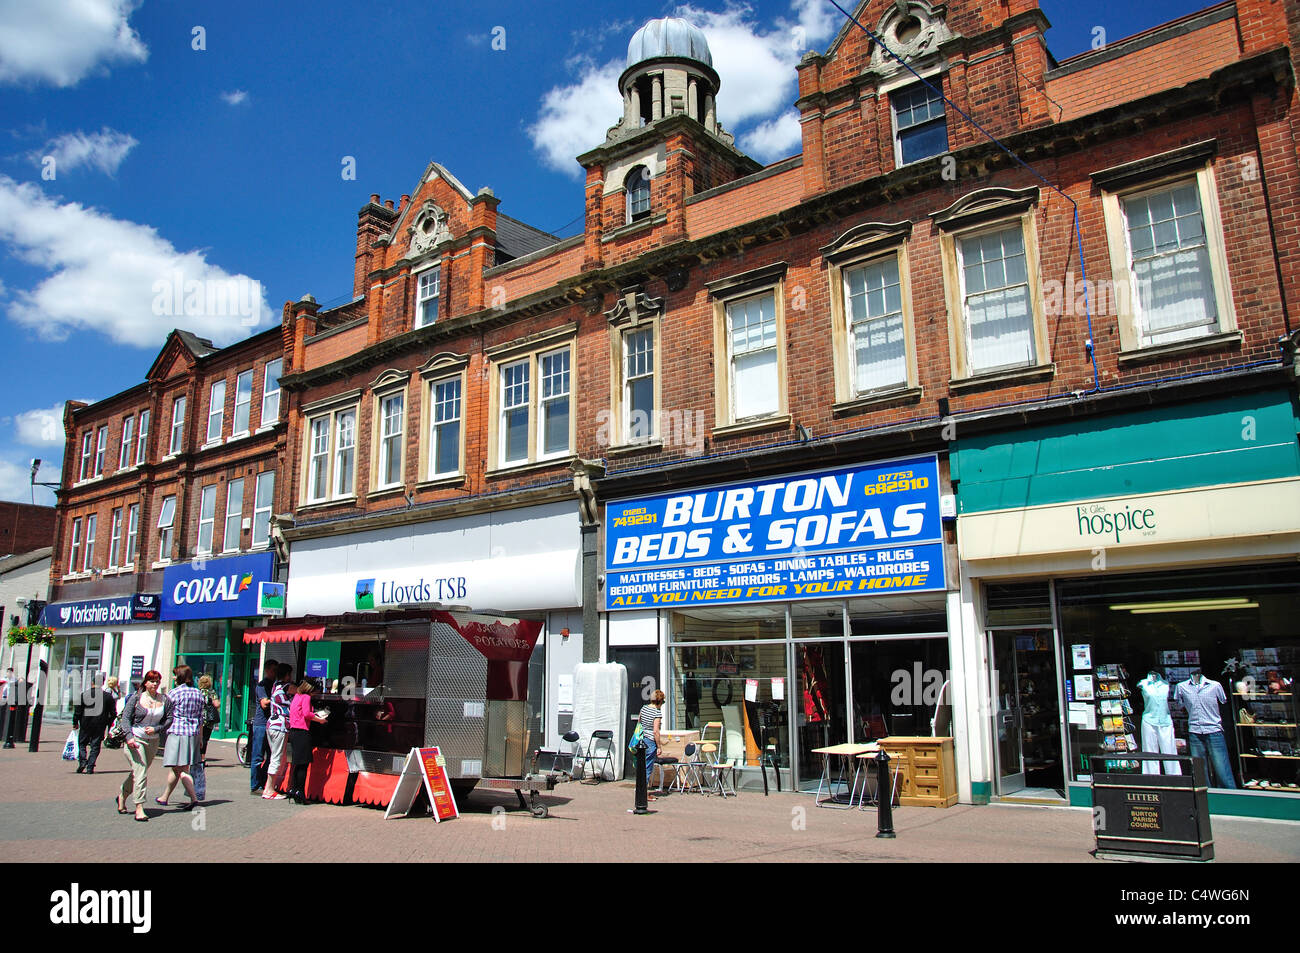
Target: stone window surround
(634, 311)
(531, 347)
(440, 367)
(388, 384)
(329, 407)
(733, 288)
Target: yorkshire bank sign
(1224, 512)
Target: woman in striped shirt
(651, 718)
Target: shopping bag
(200, 775)
(71, 751)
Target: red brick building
(24, 527)
(179, 469)
(911, 285)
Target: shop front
(793, 612)
(1154, 614)
(96, 638)
(523, 562)
(211, 602)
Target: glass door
(821, 712)
(1006, 713)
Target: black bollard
(884, 797)
(642, 805)
(11, 721)
(38, 712)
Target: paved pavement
(47, 812)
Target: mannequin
(1157, 725)
(1202, 697)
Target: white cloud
(42, 427)
(755, 61)
(104, 150)
(774, 139)
(62, 41)
(115, 277)
(235, 97)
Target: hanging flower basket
(31, 634)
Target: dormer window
(426, 299)
(920, 127)
(638, 194)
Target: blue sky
(228, 162)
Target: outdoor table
(673, 745)
(844, 752)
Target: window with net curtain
(1170, 263)
(996, 300)
(751, 339)
(873, 303)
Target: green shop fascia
(1131, 583)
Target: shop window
(638, 194)
(262, 504)
(101, 446)
(132, 533)
(166, 519)
(243, 403)
(991, 274)
(271, 392)
(234, 514)
(216, 411)
(177, 440)
(920, 127)
(1233, 628)
(115, 539)
(142, 438)
(128, 438)
(532, 417)
(207, 518)
(428, 291)
(1166, 247)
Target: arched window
(638, 194)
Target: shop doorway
(821, 712)
(1026, 713)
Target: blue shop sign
(215, 588)
(117, 610)
(844, 533)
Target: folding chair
(688, 771)
(600, 751)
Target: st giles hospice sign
(853, 531)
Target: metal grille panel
(507, 738)
(406, 658)
(459, 738)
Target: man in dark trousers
(91, 716)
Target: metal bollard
(884, 797)
(642, 795)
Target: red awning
(284, 634)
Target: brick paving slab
(47, 812)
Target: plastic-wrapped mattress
(600, 704)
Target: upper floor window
(531, 401)
(392, 419)
(271, 392)
(166, 520)
(101, 446)
(87, 454)
(331, 455)
(920, 128)
(263, 500)
(132, 533)
(91, 520)
(428, 290)
(216, 411)
(639, 384)
(128, 437)
(234, 514)
(638, 194)
(74, 551)
(749, 335)
(207, 518)
(634, 371)
(115, 538)
(178, 426)
(444, 427)
(243, 402)
(142, 438)
(1166, 247)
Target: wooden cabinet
(926, 770)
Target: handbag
(70, 747)
(636, 738)
(116, 737)
(210, 713)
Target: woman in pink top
(300, 718)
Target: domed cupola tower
(669, 73)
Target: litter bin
(1151, 815)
